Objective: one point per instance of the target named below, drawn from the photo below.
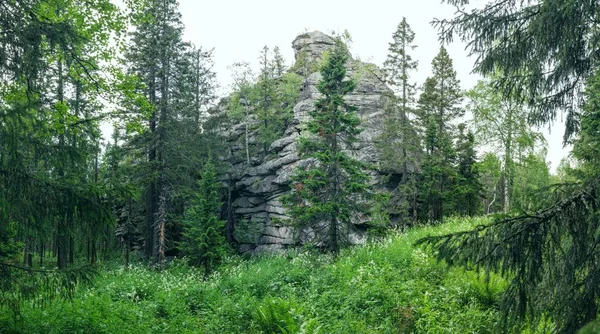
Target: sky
(238, 29)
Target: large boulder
(261, 221)
(312, 45)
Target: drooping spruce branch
(548, 257)
(40, 286)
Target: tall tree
(439, 108)
(501, 124)
(398, 144)
(177, 81)
(266, 99)
(51, 77)
(327, 194)
(241, 104)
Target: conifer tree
(203, 240)
(177, 82)
(327, 194)
(548, 66)
(438, 109)
(266, 99)
(467, 186)
(398, 144)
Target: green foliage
(439, 107)
(384, 287)
(203, 240)
(548, 256)
(535, 60)
(500, 123)
(399, 144)
(490, 173)
(326, 193)
(467, 187)
(274, 315)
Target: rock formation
(256, 189)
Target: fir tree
(399, 144)
(204, 233)
(326, 195)
(438, 109)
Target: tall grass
(387, 286)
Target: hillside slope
(384, 287)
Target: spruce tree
(438, 109)
(51, 80)
(266, 99)
(165, 65)
(327, 194)
(467, 186)
(203, 240)
(398, 143)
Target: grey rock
(260, 216)
(313, 44)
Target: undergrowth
(387, 286)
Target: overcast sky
(238, 29)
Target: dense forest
(322, 195)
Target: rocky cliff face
(256, 189)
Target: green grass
(384, 287)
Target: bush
(383, 287)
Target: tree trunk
(161, 227)
(151, 187)
(71, 249)
(507, 180)
(230, 219)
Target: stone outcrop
(260, 218)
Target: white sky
(238, 29)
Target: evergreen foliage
(203, 241)
(167, 146)
(398, 145)
(549, 255)
(467, 185)
(327, 194)
(544, 55)
(439, 108)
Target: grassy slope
(387, 287)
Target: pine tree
(398, 144)
(326, 195)
(203, 240)
(438, 109)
